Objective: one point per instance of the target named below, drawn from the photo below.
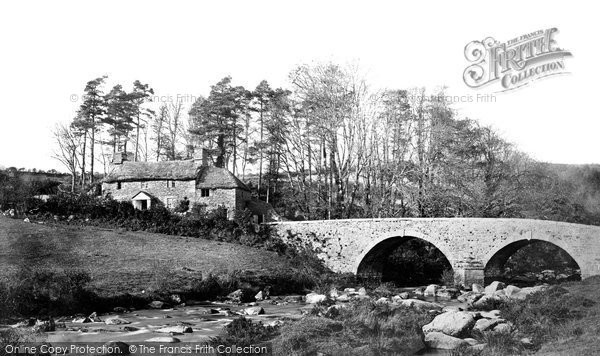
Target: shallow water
(198, 316)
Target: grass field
(123, 261)
(582, 335)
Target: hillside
(123, 261)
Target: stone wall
(227, 198)
(158, 189)
(231, 199)
(468, 244)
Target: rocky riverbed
(459, 315)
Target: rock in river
(453, 323)
(438, 340)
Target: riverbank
(52, 269)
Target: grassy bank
(123, 266)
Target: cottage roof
(205, 176)
(215, 177)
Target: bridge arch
(377, 251)
(496, 259)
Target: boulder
(484, 324)
(492, 314)
(469, 297)
(259, 296)
(524, 292)
(453, 323)
(176, 329)
(176, 299)
(293, 299)
(80, 320)
(526, 342)
(349, 290)
(404, 295)
(94, 317)
(451, 308)
(471, 341)
(343, 298)
(430, 290)
(164, 339)
(420, 304)
(493, 287)
(254, 311)
(130, 328)
(419, 291)
(438, 340)
(236, 296)
(274, 323)
(116, 321)
(26, 220)
(482, 302)
(157, 304)
(510, 290)
(333, 293)
(44, 325)
(119, 310)
(382, 300)
(447, 293)
(503, 328)
(362, 292)
(477, 288)
(312, 298)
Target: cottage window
(143, 184)
(171, 203)
(204, 192)
(118, 185)
(172, 184)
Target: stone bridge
(471, 245)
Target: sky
(49, 50)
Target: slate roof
(205, 176)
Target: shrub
(448, 278)
(243, 332)
(213, 224)
(362, 327)
(540, 313)
(34, 292)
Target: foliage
(361, 328)
(45, 292)
(214, 225)
(540, 313)
(244, 332)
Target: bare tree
(67, 151)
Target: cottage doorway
(141, 201)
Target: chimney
(202, 156)
(119, 157)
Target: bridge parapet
(469, 244)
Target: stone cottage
(171, 182)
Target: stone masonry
(470, 244)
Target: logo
(514, 63)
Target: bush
(242, 332)
(35, 292)
(362, 327)
(540, 313)
(213, 225)
(447, 279)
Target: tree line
(331, 146)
